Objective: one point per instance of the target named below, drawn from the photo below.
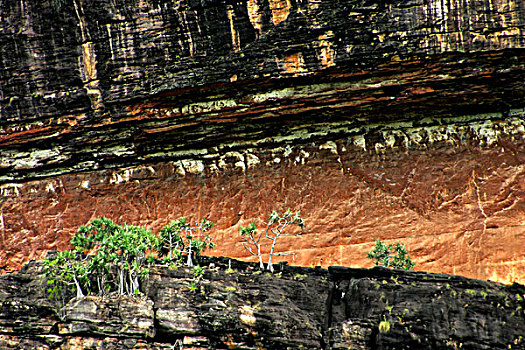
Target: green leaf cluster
(64, 270)
(108, 257)
(391, 256)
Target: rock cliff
(400, 120)
(297, 308)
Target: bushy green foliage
(109, 257)
(114, 257)
(125, 248)
(276, 224)
(66, 269)
(390, 256)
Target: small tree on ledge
(390, 256)
(274, 229)
(179, 238)
(252, 240)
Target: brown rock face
(401, 121)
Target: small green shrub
(198, 271)
(390, 256)
(384, 326)
(122, 253)
(192, 286)
(64, 270)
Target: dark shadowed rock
(130, 317)
(296, 308)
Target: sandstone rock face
(296, 308)
(402, 121)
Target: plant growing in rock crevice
(253, 239)
(390, 256)
(384, 326)
(197, 272)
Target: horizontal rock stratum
(400, 120)
(243, 308)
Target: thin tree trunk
(189, 261)
(79, 289)
(131, 283)
(121, 282)
(261, 264)
(170, 253)
(270, 266)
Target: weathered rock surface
(297, 308)
(395, 120)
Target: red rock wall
(459, 208)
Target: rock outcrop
(400, 120)
(297, 308)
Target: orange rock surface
(459, 209)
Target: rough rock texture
(399, 120)
(297, 308)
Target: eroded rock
(117, 316)
(296, 308)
